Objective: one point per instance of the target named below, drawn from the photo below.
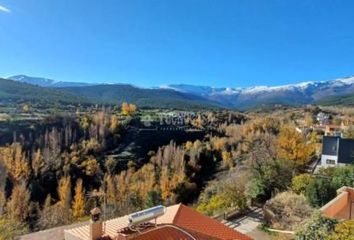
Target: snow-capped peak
(302, 86)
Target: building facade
(337, 151)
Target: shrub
(343, 231)
(9, 229)
(316, 228)
(288, 210)
(300, 182)
(319, 192)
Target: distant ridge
(292, 94)
(45, 82)
(184, 95)
(14, 91)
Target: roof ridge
(175, 218)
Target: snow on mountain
(33, 80)
(185, 88)
(344, 81)
(291, 94)
(205, 90)
(45, 82)
(235, 97)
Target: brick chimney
(95, 226)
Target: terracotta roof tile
(164, 233)
(178, 223)
(190, 219)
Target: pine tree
(78, 205)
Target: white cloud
(4, 9)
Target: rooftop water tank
(146, 215)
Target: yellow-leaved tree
(15, 162)
(78, 205)
(64, 192)
(128, 109)
(18, 207)
(294, 147)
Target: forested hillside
(19, 92)
(12, 91)
(345, 100)
(162, 98)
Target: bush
(300, 182)
(343, 231)
(316, 228)
(288, 210)
(319, 192)
(343, 176)
(9, 229)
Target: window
(330, 161)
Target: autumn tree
(227, 159)
(268, 173)
(51, 215)
(64, 192)
(309, 119)
(128, 109)
(349, 132)
(2, 202)
(18, 206)
(15, 162)
(113, 198)
(25, 108)
(37, 162)
(114, 123)
(292, 146)
(224, 195)
(78, 205)
(90, 166)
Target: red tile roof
(178, 223)
(167, 233)
(189, 219)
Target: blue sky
(235, 43)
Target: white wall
(330, 157)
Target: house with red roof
(177, 222)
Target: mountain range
(45, 82)
(293, 94)
(338, 91)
